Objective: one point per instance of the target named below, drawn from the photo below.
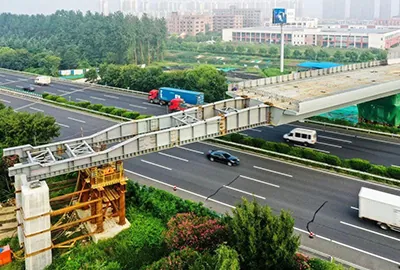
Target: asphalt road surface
(277, 184)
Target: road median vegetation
(355, 166)
(99, 108)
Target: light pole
(279, 17)
(282, 48)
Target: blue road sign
(278, 16)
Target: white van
(301, 135)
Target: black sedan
(29, 88)
(223, 157)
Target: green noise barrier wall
(385, 111)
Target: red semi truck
(177, 99)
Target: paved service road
(77, 92)
(277, 184)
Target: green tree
(262, 51)
(251, 50)
(352, 56)
(70, 58)
(322, 55)
(229, 49)
(287, 52)
(273, 51)
(91, 75)
(297, 54)
(240, 49)
(227, 258)
(338, 56)
(310, 54)
(366, 56)
(263, 240)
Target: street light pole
(282, 48)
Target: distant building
(298, 23)
(189, 24)
(227, 21)
(362, 9)
(385, 9)
(335, 37)
(104, 9)
(251, 16)
(333, 9)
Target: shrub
(107, 109)
(73, 103)
(61, 100)
(95, 107)
(332, 160)
(247, 141)
(269, 146)
(378, 170)
(131, 115)
(318, 264)
(236, 138)
(83, 104)
(359, 164)
(45, 95)
(51, 97)
(296, 152)
(282, 148)
(312, 155)
(143, 116)
(258, 142)
(117, 111)
(394, 172)
(178, 260)
(198, 233)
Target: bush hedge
(342, 122)
(97, 107)
(283, 148)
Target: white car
(301, 135)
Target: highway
(275, 183)
(336, 143)
(76, 92)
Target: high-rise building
(333, 9)
(128, 6)
(385, 9)
(104, 7)
(251, 16)
(189, 24)
(362, 9)
(227, 21)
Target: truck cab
(177, 104)
(153, 97)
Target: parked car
(301, 135)
(223, 157)
(29, 88)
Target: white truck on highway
(384, 208)
(43, 80)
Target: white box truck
(384, 208)
(43, 80)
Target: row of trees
(74, 36)
(274, 52)
(18, 128)
(206, 79)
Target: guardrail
(39, 97)
(135, 92)
(354, 128)
(386, 179)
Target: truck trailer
(384, 208)
(43, 80)
(165, 95)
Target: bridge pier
(34, 226)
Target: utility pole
(279, 17)
(282, 48)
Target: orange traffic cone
(174, 188)
(311, 235)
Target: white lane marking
(271, 171)
(354, 208)
(334, 139)
(1, 75)
(62, 125)
(245, 192)
(6, 101)
(258, 181)
(62, 91)
(98, 98)
(243, 134)
(154, 164)
(256, 130)
(82, 100)
(268, 126)
(370, 231)
(74, 89)
(178, 188)
(328, 144)
(397, 166)
(154, 105)
(19, 86)
(350, 247)
(111, 96)
(137, 106)
(35, 109)
(77, 120)
(191, 150)
(315, 149)
(376, 140)
(9, 80)
(171, 156)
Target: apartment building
(251, 16)
(227, 21)
(189, 24)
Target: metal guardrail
(354, 128)
(305, 160)
(135, 92)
